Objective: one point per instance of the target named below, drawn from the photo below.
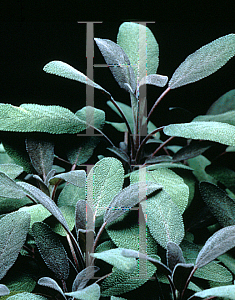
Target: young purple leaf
(174, 255)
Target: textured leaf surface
(9, 189)
(46, 201)
(4, 290)
(198, 164)
(51, 250)
(228, 261)
(51, 283)
(64, 70)
(172, 183)
(41, 154)
(83, 216)
(70, 195)
(39, 118)
(77, 177)
(204, 62)
(227, 117)
(141, 47)
(37, 212)
(68, 213)
(128, 198)
(225, 103)
(28, 296)
(219, 243)
(114, 257)
(220, 204)
(118, 62)
(227, 292)
(83, 277)
(212, 131)
(104, 181)
(154, 79)
(164, 220)
(11, 170)
(13, 231)
(92, 292)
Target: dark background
(36, 32)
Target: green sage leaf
(219, 243)
(212, 131)
(76, 177)
(70, 195)
(141, 47)
(227, 292)
(51, 250)
(118, 63)
(9, 189)
(91, 292)
(41, 154)
(164, 220)
(28, 296)
(223, 104)
(37, 212)
(51, 283)
(115, 258)
(83, 277)
(13, 232)
(11, 170)
(204, 62)
(154, 79)
(104, 181)
(39, 118)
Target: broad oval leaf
(83, 277)
(213, 131)
(39, 118)
(219, 243)
(141, 47)
(226, 117)
(28, 296)
(225, 103)
(114, 257)
(51, 250)
(11, 170)
(164, 220)
(51, 283)
(128, 198)
(76, 177)
(62, 69)
(37, 212)
(41, 154)
(4, 290)
(91, 292)
(70, 195)
(13, 232)
(118, 62)
(204, 62)
(104, 181)
(219, 203)
(227, 292)
(154, 79)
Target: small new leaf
(52, 284)
(219, 243)
(204, 62)
(83, 277)
(174, 255)
(154, 79)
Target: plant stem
(145, 140)
(72, 251)
(172, 287)
(98, 236)
(162, 145)
(157, 102)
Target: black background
(36, 32)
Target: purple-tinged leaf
(174, 255)
(52, 284)
(83, 277)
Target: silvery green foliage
(129, 197)
(64, 70)
(83, 277)
(46, 201)
(104, 181)
(56, 260)
(4, 290)
(41, 154)
(227, 292)
(226, 117)
(91, 292)
(39, 118)
(76, 177)
(37, 212)
(13, 231)
(164, 219)
(9, 189)
(141, 47)
(11, 170)
(219, 203)
(212, 131)
(118, 63)
(224, 104)
(28, 296)
(219, 243)
(51, 283)
(204, 62)
(154, 79)
(115, 258)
